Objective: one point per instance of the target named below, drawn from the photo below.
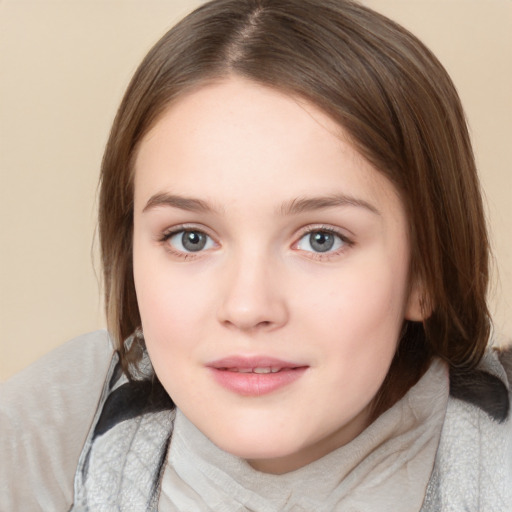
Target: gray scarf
(123, 460)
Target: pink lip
(225, 373)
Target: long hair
(402, 113)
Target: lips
(255, 376)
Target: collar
(387, 467)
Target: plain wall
(64, 66)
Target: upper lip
(247, 362)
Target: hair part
(398, 106)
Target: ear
(419, 306)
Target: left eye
(320, 241)
(190, 241)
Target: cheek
(172, 308)
(362, 299)
(163, 300)
(173, 328)
(364, 327)
(358, 322)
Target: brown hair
(393, 98)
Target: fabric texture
(428, 452)
(473, 469)
(120, 466)
(46, 412)
(50, 424)
(370, 473)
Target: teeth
(262, 370)
(267, 369)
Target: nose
(253, 295)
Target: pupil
(321, 241)
(193, 241)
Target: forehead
(235, 137)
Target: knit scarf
(125, 455)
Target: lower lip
(256, 384)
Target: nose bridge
(252, 295)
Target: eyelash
(320, 256)
(326, 256)
(168, 234)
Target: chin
(256, 443)
(248, 451)
(278, 455)
(270, 455)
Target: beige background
(64, 65)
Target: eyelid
(312, 228)
(168, 233)
(172, 230)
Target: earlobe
(418, 307)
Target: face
(271, 269)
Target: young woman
(296, 264)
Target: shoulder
(45, 413)
(487, 386)
(505, 358)
(473, 467)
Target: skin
(259, 286)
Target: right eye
(189, 240)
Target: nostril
(249, 311)
(264, 324)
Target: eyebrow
(305, 204)
(292, 207)
(183, 203)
